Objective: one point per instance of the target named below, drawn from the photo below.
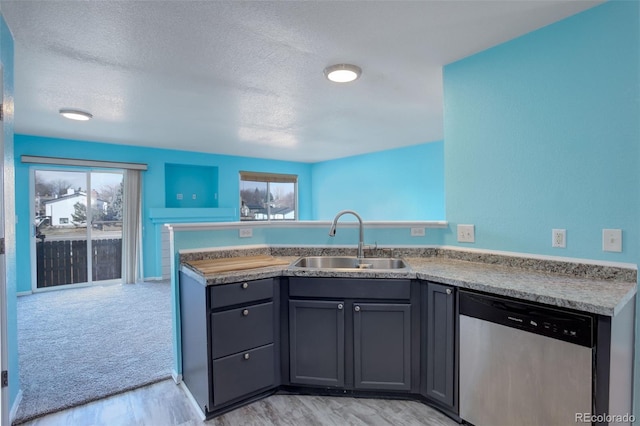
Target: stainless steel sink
(351, 263)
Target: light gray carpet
(82, 344)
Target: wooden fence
(65, 262)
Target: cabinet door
(316, 342)
(440, 355)
(382, 346)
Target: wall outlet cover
(559, 238)
(178, 196)
(246, 232)
(466, 234)
(417, 232)
(612, 240)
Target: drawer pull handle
(357, 308)
(245, 312)
(448, 291)
(246, 356)
(245, 285)
(340, 306)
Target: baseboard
(176, 377)
(14, 407)
(24, 293)
(193, 401)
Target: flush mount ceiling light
(342, 73)
(76, 114)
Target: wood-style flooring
(165, 404)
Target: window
(268, 196)
(64, 220)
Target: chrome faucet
(332, 231)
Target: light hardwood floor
(165, 404)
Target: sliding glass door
(77, 228)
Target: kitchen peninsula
(249, 333)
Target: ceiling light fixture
(76, 114)
(342, 73)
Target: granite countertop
(594, 295)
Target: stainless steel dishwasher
(523, 363)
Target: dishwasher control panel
(556, 323)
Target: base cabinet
(316, 342)
(441, 370)
(229, 346)
(382, 346)
(348, 343)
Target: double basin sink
(347, 263)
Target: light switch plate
(612, 240)
(466, 234)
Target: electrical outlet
(193, 196)
(178, 196)
(246, 232)
(466, 234)
(612, 240)
(417, 232)
(559, 238)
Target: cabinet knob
(246, 356)
(448, 291)
(245, 285)
(340, 306)
(357, 308)
(245, 312)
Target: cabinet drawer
(240, 329)
(242, 292)
(243, 373)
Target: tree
(114, 211)
(113, 194)
(51, 188)
(80, 213)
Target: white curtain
(131, 229)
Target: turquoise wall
(542, 132)
(398, 184)
(190, 180)
(153, 185)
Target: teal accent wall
(6, 58)
(189, 181)
(153, 185)
(542, 132)
(398, 184)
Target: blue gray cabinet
(316, 342)
(229, 341)
(382, 346)
(351, 333)
(440, 357)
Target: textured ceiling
(245, 78)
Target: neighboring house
(61, 209)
